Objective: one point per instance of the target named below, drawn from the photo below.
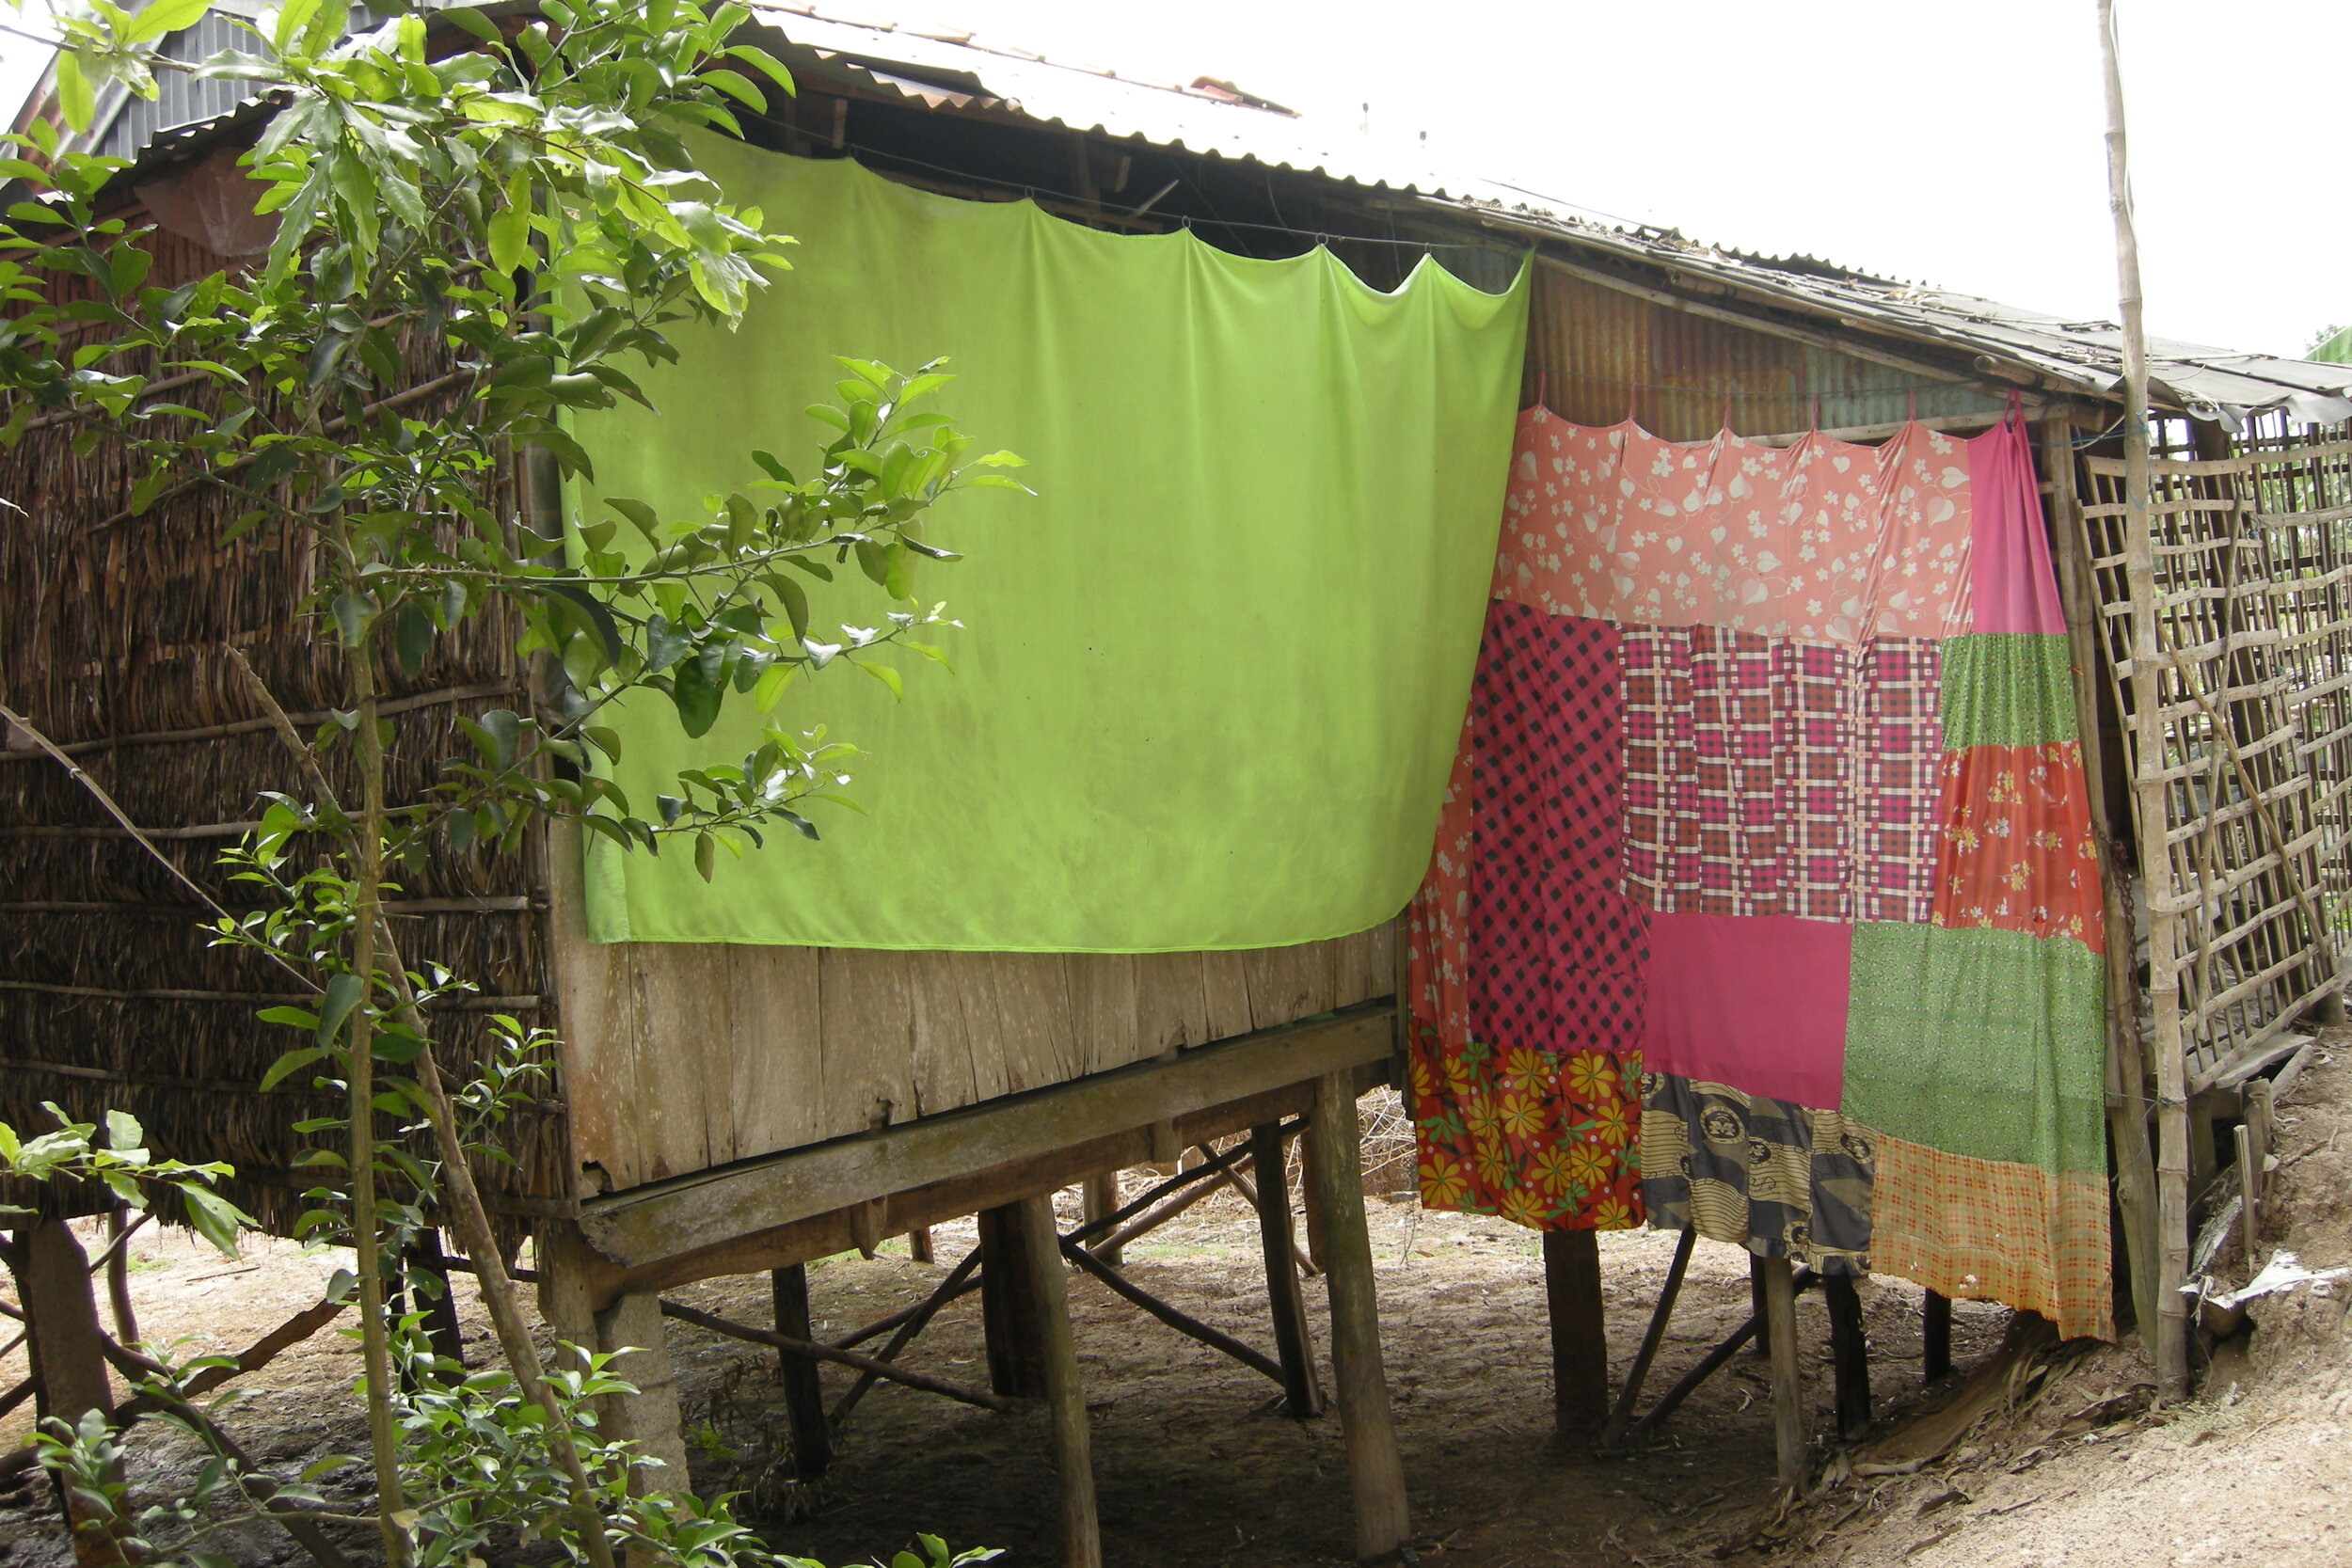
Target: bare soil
(1196, 1466)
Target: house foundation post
(1376, 1468)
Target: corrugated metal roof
(2085, 357)
(963, 71)
(931, 66)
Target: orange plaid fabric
(1989, 1231)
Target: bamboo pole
(2126, 1050)
(2171, 1329)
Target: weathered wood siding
(685, 1056)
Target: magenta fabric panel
(2014, 585)
(1757, 1002)
(1555, 949)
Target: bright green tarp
(1214, 673)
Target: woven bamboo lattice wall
(2252, 584)
(115, 644)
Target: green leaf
(697, 697)
(509, 235)
(412, 635)
(298, 1018)
(292, 1061)
(883, 673)
(343, 992)
(291, 18)
(767, 64)
(159, 17)
(770, 692)
(706, 855)
(123, 1133)
(353, 612)
(74, 99)
(606, 741)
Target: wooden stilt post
(1579, 1338)
(1065, 1397)
(1302, 1392)
(651, 1417)
(1849, 1353)
(919, 1243)
(1780, 1334)
(804, 1391)
(118, 1277)
(61, 1310)
(1008, 1306)
(1376, 1468)
(68, 1358)
(1310, 1204)
(1935, 1338)
(565, 1265)
(427, 1269)
(1102, 1201)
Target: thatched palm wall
(114, 628)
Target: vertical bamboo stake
(2155, 867)
(2126, 1052)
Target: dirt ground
(1195, 1467)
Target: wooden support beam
(1010, 1310)
(118, 1276)
(923, 1381)
(1102, 1201)
(911, 1322)
(426, 1268)
(826, 1234)
(1376, 1468)
(69, 1356)
(1849, 1352)
(1302, 1392)
(665, 1220)
(631, 1330)
(1622, 1417)
(1708, 1365)
(1065, 1395)
(1182, 1321)
(803, 1389)
(1935, 1338)
(1780, 1331)
(1310, 1204)
(1580, 1337)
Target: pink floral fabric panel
(1821, 541)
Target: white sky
(1958, 145)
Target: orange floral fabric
(2014, 849)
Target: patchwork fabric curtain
(1210, 673)
(1765, 899)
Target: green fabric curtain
(1213, 674)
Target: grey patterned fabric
(1780, 1179)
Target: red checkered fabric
(1769, 776)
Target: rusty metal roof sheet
(961, 70)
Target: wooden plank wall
(685, 1056)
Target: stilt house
(727, 1108)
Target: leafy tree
(530, 209)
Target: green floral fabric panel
(1980, 1042)
(2008, 689)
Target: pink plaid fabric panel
(1902, 744)
(1767, 776)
